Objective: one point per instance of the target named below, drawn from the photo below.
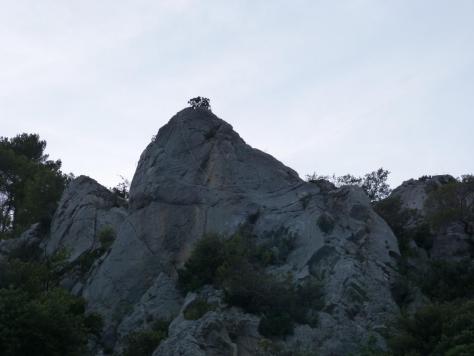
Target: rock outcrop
(198, 176)
(449, 241)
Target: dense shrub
(237, 266)
(106, 237)
(197, 309)
(374, 184)
(143, 343)
(406, 224)
(401, 291)
(452, 202)
(437, 329)
(325, 223)
(448, 281)
(51, 323)
(37, 317)
(200, 102)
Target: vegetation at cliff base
(37, 316)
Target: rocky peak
(196, 151)
(198, 177)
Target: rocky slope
(197, 177)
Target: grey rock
(449, 243)
(28, 242)
(198, 176)
(220, 332)
(85, 208)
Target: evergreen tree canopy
(30, 183)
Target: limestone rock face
(449, 242)
(198, 176)
(27, 241)
(84, 210)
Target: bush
(200, 102)
(325, 223)
(37, 317)
(200, 269)
(447, 281)
(401, 291)
(51, 323)
(374, 184)
(106, 237)
(399, 218)
(452, 202)
(275, 324)
(143, 343)
(437, 329)
(236, 266)
(197, 309)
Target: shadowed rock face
(199, 176)
(450, 242)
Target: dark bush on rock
(37, 317)
(447, 281)
(197, 309)
(143, 343)
(437, 329)
(236, 266)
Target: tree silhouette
(200, 102)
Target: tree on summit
(200, 102)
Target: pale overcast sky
(326, 86)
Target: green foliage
(197, 309)
(448, 281)
(269, 347)
(236, 265)
(374, 183)
(30, 184)
(401, 290)
(437, 329)
(87, 259)
(33, 276)
(325, 223)
(370, 348)
(452, 202)
(276, 247)
(122, 189)
(200, 269)
(106, 237)
(51, 324)
(405, 223)
(200, 102)
(275, 324)
(37, 317)
(214, 254)
(143, 343)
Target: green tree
(374, 183)
(30, 183)
(37, 316)
(200, 102)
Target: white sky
(325, 86)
